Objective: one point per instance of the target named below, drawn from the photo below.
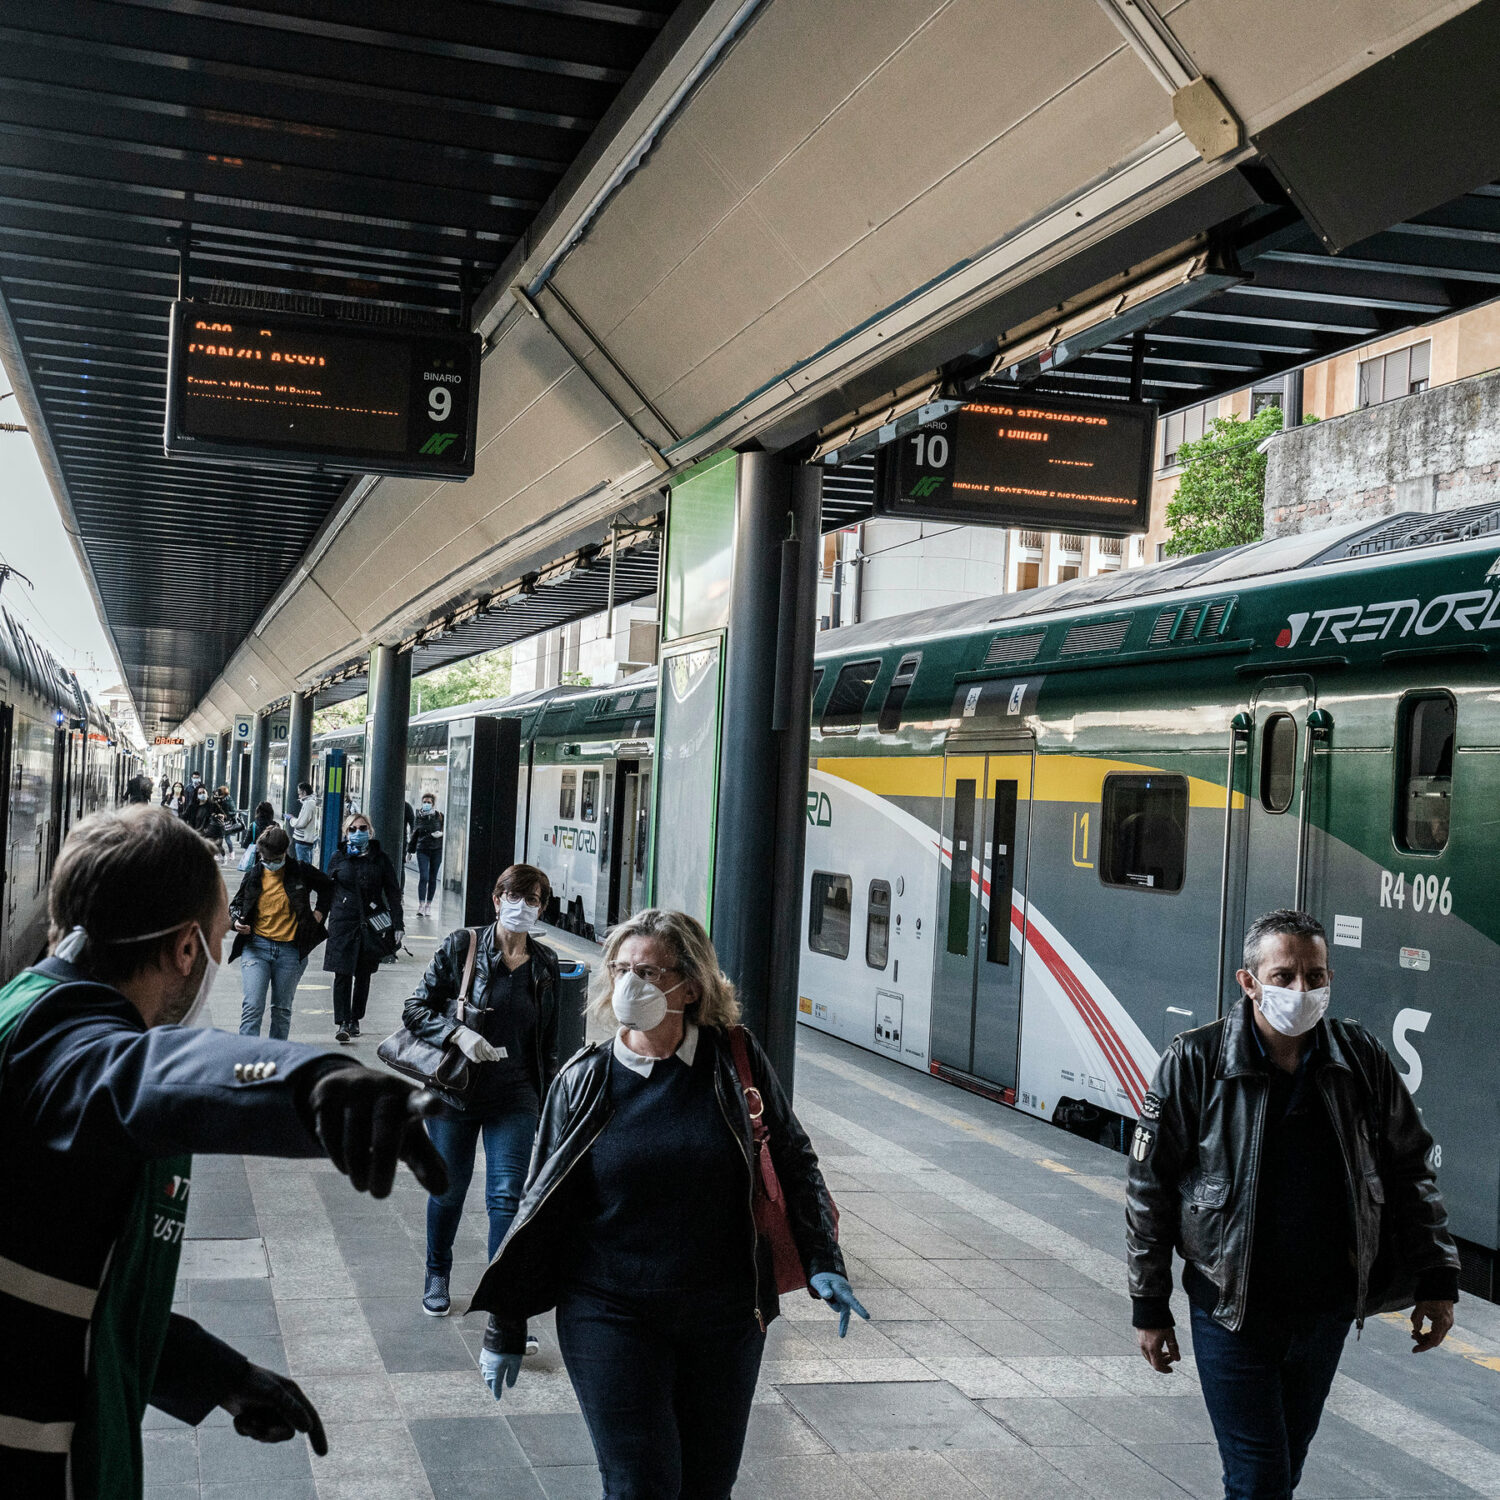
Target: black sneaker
(342, 1034)
(353, 1028)
(435, 1296)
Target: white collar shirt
(643, 1065)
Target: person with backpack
(639, 1222)
(492, 992)
(365, 923)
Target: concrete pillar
(385, 747)
(260, 757)
(762, 812)
(240, 786)
(222, 759)
(298, 749)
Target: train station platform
(999, 1362)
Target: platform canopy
(678, 228)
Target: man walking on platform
(105, 1090)
(304, 824)
(1281, 1154)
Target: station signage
(167, 739)
(1014, 459)
(325, 393)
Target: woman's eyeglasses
(649, 972)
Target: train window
(567, 798)
(1144, 837)
(588, 807)
(817, 681)
(895, 695)
(878, 925)
(1425, 731)
(851, 691)
(961, 866)
(1278, 762)
(828, 911)
(1002, 866)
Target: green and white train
(1139, 764)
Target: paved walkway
(999, 1363)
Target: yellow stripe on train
(1059, 778)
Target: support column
(762, 811)
(221, 759)
(298, 749)
(385, 747)
(260, 757)
(197, 759)
(1291, 399)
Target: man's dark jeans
(1265, 1390)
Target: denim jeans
(507, 1154)
(263, 964)
(665, 1384)
(427, 874)
(1265, 1390)
(302, 852)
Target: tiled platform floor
(999, 1363)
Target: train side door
(7, 855)
(1275, 800)
(976, 1007)
(628, 879)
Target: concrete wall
(1436, 450)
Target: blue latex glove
(499, 1370)
(839, 1295)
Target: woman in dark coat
(366, 886)
(506, 1026)
(637, 1226)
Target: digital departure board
(321, 393)
(1051, 462)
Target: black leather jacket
(432, 1011)
(1195, 1170)
(525, 1277)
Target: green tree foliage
(468, 681)
(1220, 499)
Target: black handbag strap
(466, 988)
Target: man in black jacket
(1282, 1155)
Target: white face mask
(210, 973)
(1292, 1012)
(516, 915)
(640, 1006)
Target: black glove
(270, 1408)
(369, 1121)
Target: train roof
(22, 656)
(1391, 538)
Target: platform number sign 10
(925, 464)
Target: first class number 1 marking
(1426, 892)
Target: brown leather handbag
(424, 1062)
(769, 1209)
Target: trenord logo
(439, 443)
(929, 484)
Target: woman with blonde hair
(637, 1223)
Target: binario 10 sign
(321, 393)
(1016, 459)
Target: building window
(1402, 372)
(1067, 573)
(878, 925)
(1262, 396)
(1425, 775)
(567, 797)
(828, 909)
(1161, 552)
(1028, 575)
(589, 807)
(1184, 427)
(851, 691)
(1144, 832)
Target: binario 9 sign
(1015, 459)
(321, 392)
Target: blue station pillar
(298, 749)
(385, 747)
(739, 618)
(260, 758)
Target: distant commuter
(660, 1313)
(200, 809)
(427, 844)
(106, 1086)
(276, 929)
(138, 791)
(304, 824)
(224, 820)
(365, 924)
(505, 1023)
(176, 800)
(1278, 1151)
